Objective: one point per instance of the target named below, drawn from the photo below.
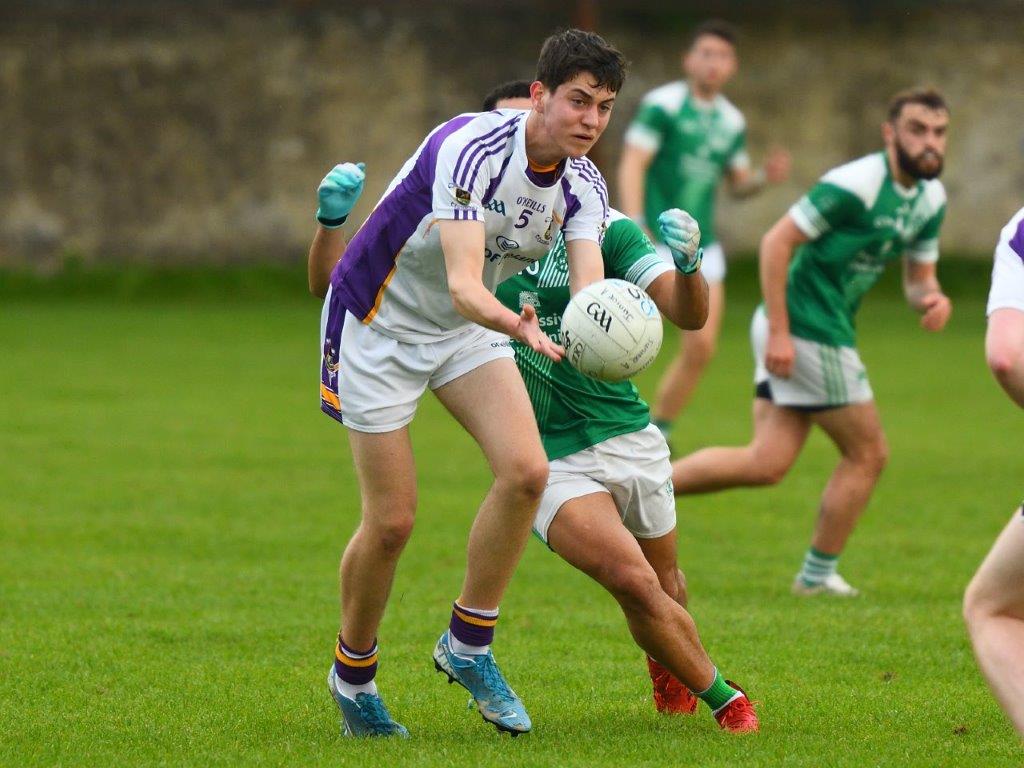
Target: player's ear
(888, 132)
(537, 92)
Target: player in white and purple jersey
(994, 602)
(411, 306)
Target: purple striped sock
(473, 627)
(355, 667)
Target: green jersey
(859, 219)
(575, 411)
(693, 142)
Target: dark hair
(513, 89)
(715, 28)
(567, 53)
(926, 96)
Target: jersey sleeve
(824, 208)
(648, 128)
(925, 249)
(462, 173)
(586, 217)
(739, 158)
(630, 255)
(1007, 291)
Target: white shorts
(373, 383)
(634, 468)
(823, 376)
(713, 265)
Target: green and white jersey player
(608, 508)
(817, 263)
(685, 138)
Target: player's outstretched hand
(681, 234)
(937, 309)
(529, 333)
(779, 355)
(776, 165)
(338, 193)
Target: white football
(611, 330)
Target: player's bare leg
(588, 534)
(779, 435)
(492, 405)
(670, 695)
(387, 485)
(697, 348)
(994, 611)
(857, 432)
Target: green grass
(173, 505)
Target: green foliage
(173, 506)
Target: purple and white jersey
(1008, 271)
(471, 168)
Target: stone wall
(159, 131)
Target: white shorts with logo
(373, 383)
(822, 377)
(634, 468)
(713, 265)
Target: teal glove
(681, 234)
(338, 193)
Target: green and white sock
(718, 694)
(817, 567)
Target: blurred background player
(994, 601)
(411, 306)
(608, 509)
(515, 94)
(686, 135)
(844, 232)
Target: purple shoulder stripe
(495, 147)
(572, 203)
(371, 254)
(588, 172)
(1017, 241)
(473, 146)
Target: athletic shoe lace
(374, 713)
(498, 688)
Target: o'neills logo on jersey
(529, 202)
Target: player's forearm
(748, 184)
(478, 305)
(690, 303)
(917, 291)
(773, 260)
(324, 252)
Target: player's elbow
(318, 287)
(1003, 361)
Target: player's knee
(527, 475)
(768, 467)
(635, 588)
(392, 534)
(875, 456)
(698, 351)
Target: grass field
(173, 505)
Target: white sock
(349, 691)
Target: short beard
(909, 165)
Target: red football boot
(670, 695)
(738, 716)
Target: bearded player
(817, 263)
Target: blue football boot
(365, 715)
(496, 702)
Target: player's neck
(541, 150)
(702, 92)
(900, 176)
